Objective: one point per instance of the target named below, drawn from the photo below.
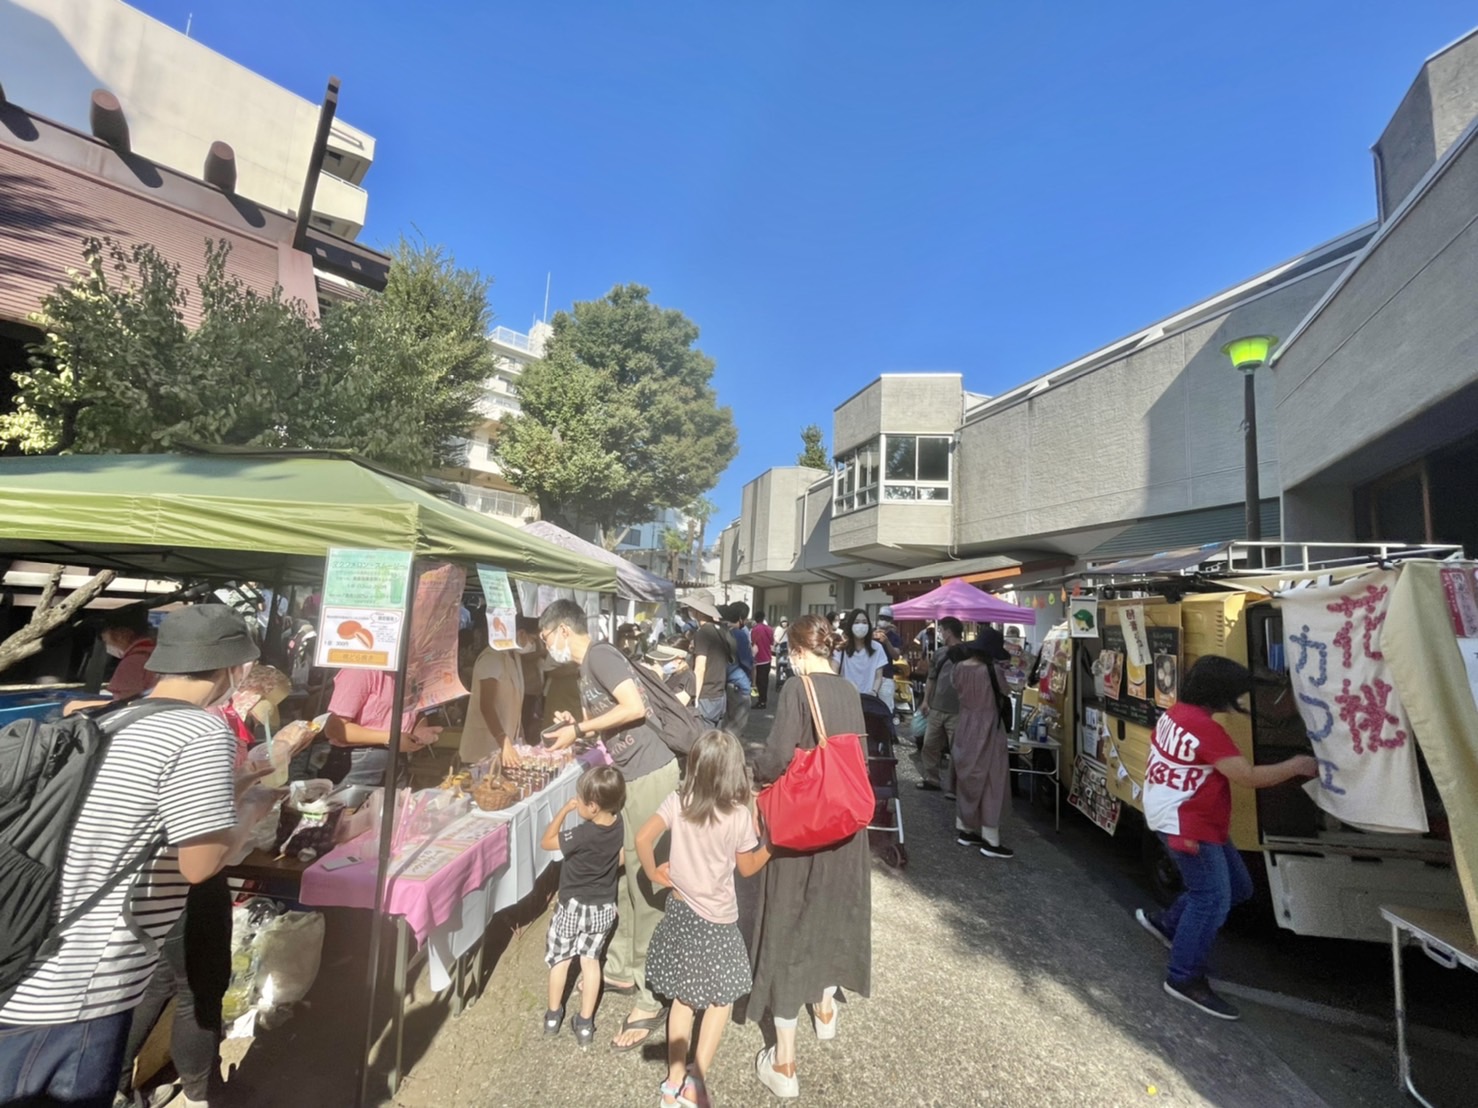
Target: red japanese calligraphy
(1369, 603)
(1366, 715)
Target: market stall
(274, 517)
(634, 585)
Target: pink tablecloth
(426, 882)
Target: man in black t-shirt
(713, 653)
(615, 712)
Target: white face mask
(234, 676)
(560, 655)
(669, 669)
(859, 629)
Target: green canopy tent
(253, 516)
(249, 515)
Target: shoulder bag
(824, 796)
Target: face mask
(113, 650)
(859, 629)
(561, 655)
(669, 669)
(234, 676)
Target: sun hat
(702, 601)
(664, 653)
(202, 639)
(990, 644)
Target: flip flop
(648, 1025)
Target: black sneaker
(989, 851)
(967, 838)
(928, 786)
(949, 794)
(1152, 924)
(1198, 994)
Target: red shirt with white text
(1183, 793)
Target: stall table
(1447, 938)
(1027, 747)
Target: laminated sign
(363, 615)
(1349, 704)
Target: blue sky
(837, 190)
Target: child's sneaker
(584, 1030)
(553, 1019)
(694, 1093)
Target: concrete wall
(927, 523)
(1398, 340)
(1158, 430)
(769, 520)
(901, 403)
(178, 96)
(1434, 112)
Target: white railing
(507, 337)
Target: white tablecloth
(526, 861)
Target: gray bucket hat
(202, 639)
(701, 601)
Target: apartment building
(178, 97)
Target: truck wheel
(1163, 873)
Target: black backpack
(673, 721)
(46, 772)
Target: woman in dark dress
(982, 763)
(814, 929)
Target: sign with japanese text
(502, 615)
(431, 664)
(1350, 706)
(1090, 795)
(363, 614)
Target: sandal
(670, 1094)
(650, 1024)
(553, 1018)
(694, 1093)
(584, 1030)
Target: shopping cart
(882, 773)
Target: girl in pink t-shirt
(697, 957)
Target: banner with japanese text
(1349, 703)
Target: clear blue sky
(837, 190)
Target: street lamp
(1248, 356)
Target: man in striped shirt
(167, 779)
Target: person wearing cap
(672, 665)
(713, 653)
(166, 785)
(981, 761)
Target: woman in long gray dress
(982, 764)
(814, 926)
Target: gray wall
(1434, 112)
(1399, 339)
(1156, 431)
(770, 521)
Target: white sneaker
(826, 1029)
(786, 1088)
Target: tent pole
(388, 813)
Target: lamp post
(1248, 356)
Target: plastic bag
(918, 725)
(275, 957)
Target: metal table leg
(1057, 791)
(402, 944)
(1403, 1052)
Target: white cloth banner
(1349, 703)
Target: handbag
(824, 796)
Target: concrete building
(478, 479)
(178, 97)
(1368, 415)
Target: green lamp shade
(1250, 352)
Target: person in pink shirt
(359, 730)
(762, 637)
(698, 957)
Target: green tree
(619, 417)
(814, 454)
(675, 543)
(394, 376)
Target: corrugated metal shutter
(47, 210)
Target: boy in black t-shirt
(586, 915)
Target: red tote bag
(824, 796)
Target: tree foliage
(394, 376)
(814, 454)
(619, 418)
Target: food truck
(1360, 662)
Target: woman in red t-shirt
(1192, 766)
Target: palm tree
(674, 542)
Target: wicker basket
(494, 794)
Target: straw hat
(702, 601)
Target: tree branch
(48, 616)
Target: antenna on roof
(548, 277)
(188, 20)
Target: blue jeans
(1216, 880)
(74, 1064)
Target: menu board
(1138, 703)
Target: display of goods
(307, 821)
(537, 766)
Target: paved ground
(1021, 982)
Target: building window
(913, 467)
(857, 477)
(917, 467)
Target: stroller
(882, 772)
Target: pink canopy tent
(963, 601)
